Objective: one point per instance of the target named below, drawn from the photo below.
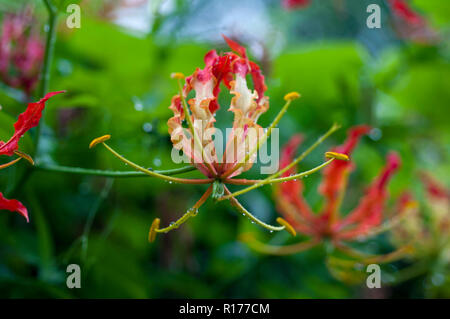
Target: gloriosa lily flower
(329, 226)
(429, 229)
(21, 51)
(27, 120)
(231, 69)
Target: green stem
(98, 172)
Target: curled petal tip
(177, 75)
(24, 156)
(292, 96)
(338, 156)
(287, 226)
(152, 232)
(99, 140)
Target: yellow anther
(99, 140)
(153, 228)
(24, 156)
(338, 156)
(292, 96)
(288, 226)
(177, 75)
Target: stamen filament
(277, 250)
(10, 163)
(197, 140)
(154, 174)
(190, 213)
(260, 141)
(234, 202)
(277, 180)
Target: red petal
(27, 120)
(295, 4)
(13, 206)
(241, 67)
(221, 69)
(403, 10)
(354, 135)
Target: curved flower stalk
(329, 226)
(27, 120)
(428, 229)
(232, 70)
(21, 51)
